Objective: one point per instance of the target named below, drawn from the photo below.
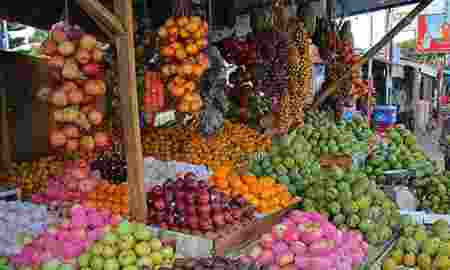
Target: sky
(361, 24)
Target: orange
(267, 180)
(222, 184)
(236, 183)
(235, 193)
(249, 179)
(244, 189)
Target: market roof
(43, 14)
(39, 15)
(354, 7)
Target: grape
(272, 51)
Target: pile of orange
(110, 196)
(264, 193)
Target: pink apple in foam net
(266, 257)
(116, 219)
(77, 210)
(278, 231)
(65, 224)
(309, 232)
(322, 248)
(298, 248)
(79, 221)
(267, 241)
(285, 259)
(291, 234)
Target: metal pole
(388, 57)
(372, 51)
(370, 74)
(210, 14)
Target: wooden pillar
(5, 142)
(129, 109)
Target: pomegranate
(75, 97)
(72, 145)
(71, 132)
(101, 139)
(57, 139)
(83, 56)
(95, 117)
(66, 48)
(59, 98)
(69, 86)
(92, 69)
(95, 88)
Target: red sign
(433, 34)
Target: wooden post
(129, 109)
(373, 51)
(5, 142)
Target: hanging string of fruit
(76, 83)
(272, 61)
(183, 40)
(299, 71)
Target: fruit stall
(169, 151)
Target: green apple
(155, 244)
(157, 258)
(127, 257)
(167, 252)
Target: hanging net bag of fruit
(183, 44)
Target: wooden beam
(372, 52)
(103, 17)
(130, 111)
(5, 141)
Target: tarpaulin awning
(43, 14)
(346, 8)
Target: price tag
(429, 219)
(418, 216)
(163, 118)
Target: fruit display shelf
(238, 237)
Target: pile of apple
(73, 186)
(191, 206)
(129, 247)
(63, 243)
(183, 41)
(76, 85)
(307, 241)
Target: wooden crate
(341, 161)
(239, 237)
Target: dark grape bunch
(112, 167)
(272, 53)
